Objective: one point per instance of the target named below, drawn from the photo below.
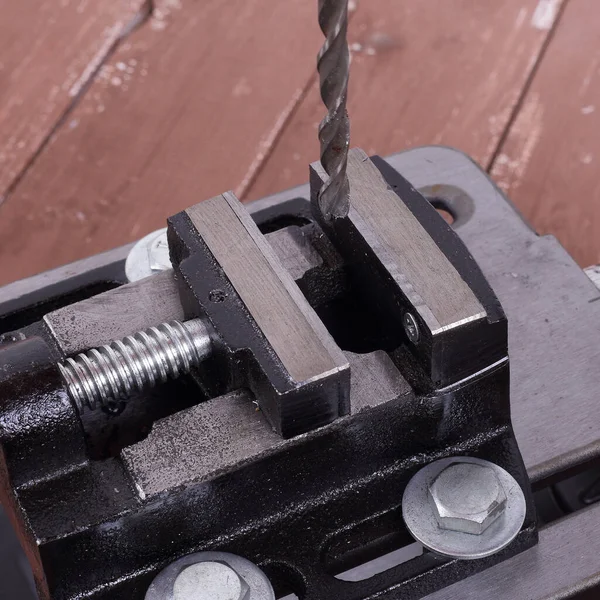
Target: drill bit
(333, 64)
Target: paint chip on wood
(545, 14)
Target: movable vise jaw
(267, 336)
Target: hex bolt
(411, 327)
(210, 580)
(467, 497)
(137, 362)
(211, 576)
(464, 507)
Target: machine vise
(290, 397)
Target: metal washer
(421, 521)
(260, 586)
(138, 264)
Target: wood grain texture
(49, 50)
(181, 112)
(549, 162)
(429, 72)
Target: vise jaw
(266, 335)
(411, 268)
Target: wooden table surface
(115, 114)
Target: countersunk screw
(210, 580)
(139, 361)
(411, 327)
(467, 497)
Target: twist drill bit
(333, 64)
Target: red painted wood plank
(549, 162)
(182, 111)
(430, 72)
(49, 49)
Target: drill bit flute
(333, 64)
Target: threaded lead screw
(137, 362)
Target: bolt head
(411, 328)
(210, 580)
(467, 497)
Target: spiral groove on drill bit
(139, 361)
(333, 63)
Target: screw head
(467, 497)
(210, 580)
(411, 328)
(422, 516)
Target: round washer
(260, 586)
(421, 521)
(138, 264)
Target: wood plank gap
(273, 137)
(269, 143)
(81, 87)
(527, 86)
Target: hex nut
(467, 497)
(210, 580)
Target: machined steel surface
(114, 371)
(233, 431)
(148, 302)
(271, 339)
(115, 314)
(266, 289)
(211, 576)
(333, 64)
(453, 519)
(426, 276)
